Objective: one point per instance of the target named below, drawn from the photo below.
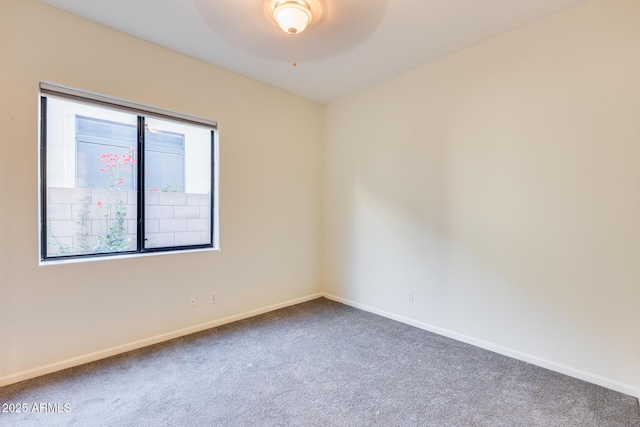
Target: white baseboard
(101, 354)
(534, 360)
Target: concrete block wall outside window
(77, 216)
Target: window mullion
(141, 184)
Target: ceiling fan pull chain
(293, 46)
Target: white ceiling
(351, 44)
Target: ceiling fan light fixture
(292, 16)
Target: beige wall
(5, 167)
(270, 149)
(502, 186)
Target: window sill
(124, 256)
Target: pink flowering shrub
(115, 238)
(116, 166)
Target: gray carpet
(316, 364)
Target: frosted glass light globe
(292, 16)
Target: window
(120, 178)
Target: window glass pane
(164, 152)
(105, 155)
(177, 184)
(91, 202)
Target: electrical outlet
(410, 296)
(192, 301)
(213, 298)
